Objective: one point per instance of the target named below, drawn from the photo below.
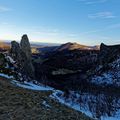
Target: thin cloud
(6, 24)
(72, 35)
(103, 15)
(92, 31)
(49, 32)
(46, 33)
(110, 27)
(4, 9)
(114, 26)
(90, 2)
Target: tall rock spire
(25, 46)
(26, 49)
(23, 56)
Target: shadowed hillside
(21, 104)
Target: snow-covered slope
(90, 104)
(5, 75)
(94, 106)
(110, 76)
(31, 86)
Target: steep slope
(108, 53)
(64, 67)
(108, 75)
(108, 70)
(22, 104)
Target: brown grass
(21, 104)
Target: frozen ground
(71, 102)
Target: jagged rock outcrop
(107, 71)
(109, 76)
(108, 53)
(25, 46)
(26, 49)
(16, 51)
(22, 55)
(2, 60)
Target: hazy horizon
(34, 42)
(87, 22)
(51, 43)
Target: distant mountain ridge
(4, 45)
(36, 44)
(76, 46)
(68, 45)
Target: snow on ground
(46, 104)
(27, 85)
(5, 75)
(32, 86)
(9, 58)
(105, 78)
(117, 117)
(58, 95)
(70, 102)
(110, 77)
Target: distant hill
(76, 46)
(4, 45)
(44, 44)
(51, 47)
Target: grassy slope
(21, 104)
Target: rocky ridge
(107, 72)
(21, 53)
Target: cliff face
(16, 51)
(108, 76)
(22, 55)
(25, 46)
(108, 53)
(108, 70)
(26, 49)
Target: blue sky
(87, 22)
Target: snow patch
(56, 95)
(5, 75)
(31, 86)
(10, 59)
(46, 104)
(89, 101)
(109, 77)
(116, 117)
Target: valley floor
(22, 104)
